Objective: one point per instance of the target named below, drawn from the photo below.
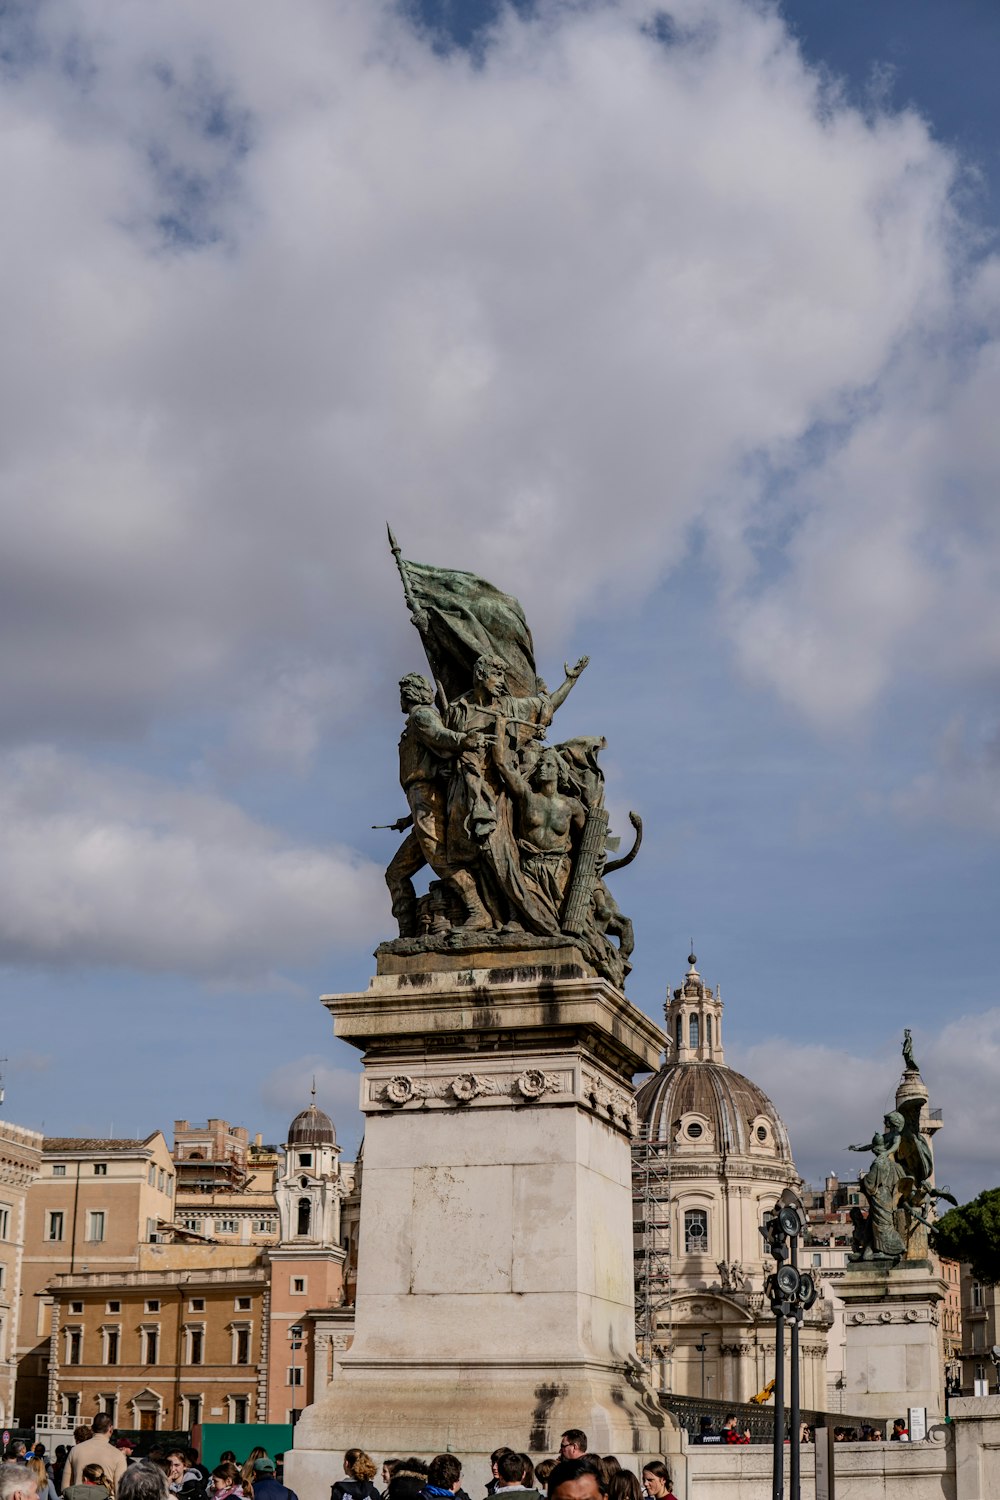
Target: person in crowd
(265, 1486)
(542, 1472)
(360, 1471)
(125, 1445)
(39, 1452)
(623, 1485)
(248, 1466)
(494, 1483)
(17, 1482)
(182, 1478)
(511, 1477)
(194, 1462)
(731, 1433)
(16, 1451)
(444, 1477)
(143, 1481)
(572, 1444)
(226, 1481)
(706, 1432)
(60, 1459)
(577, 1479)
(899, 1433)
(389, 1467)
(656, 1480)
(46, 1489)
(404, 1486)
(611, 1466)
(93, 1485)
(95, 1450)
(82, 1433)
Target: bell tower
(694, 1019)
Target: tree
(971, 1233)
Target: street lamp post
(295, 1334)
(701, 1350)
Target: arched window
(696, 1231)
(693, 1032)
(679, 1033)
(305, 1214)
(708, 1031)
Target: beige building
(712, 1156)
(980, 1333)
(20, 1163)
(93, 1207)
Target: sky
(679, 322)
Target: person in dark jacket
(360, 1471)
(265, 1486)
(444, 1479)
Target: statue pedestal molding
(893, 1354)
(495, 1295)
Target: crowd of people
(99, 1468)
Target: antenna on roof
(314, 1089)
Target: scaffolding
(651, 1212)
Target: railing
(689, 1411)
(226, 1274)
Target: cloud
(102, 866)
(962, 790)
(829, 1096)
(547, 308)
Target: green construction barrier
(242, 1437)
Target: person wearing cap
(265, 1486)
(125, 1445)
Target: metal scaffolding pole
(651, 1215)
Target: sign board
(918, 1423)
(824, 1463)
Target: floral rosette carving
(401, 1089)
(532, 1083)
(469, 1086)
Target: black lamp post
(791, 1292)
(701, 1350)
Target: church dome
(312, 1127)
(709, 1107)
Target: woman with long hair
(247, 1470)
(360, 1471)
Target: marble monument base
(893, 1352)
(495, 1299)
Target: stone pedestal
(495, 1297)
(893, 1355)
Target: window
(4, 1221)
(197, 1304)
(977, 1294)
(71, 1406)
(696, 1231)
(298, 1284)
(95, 1224)
(708, 1031)
(151, 1230)
(693, 1031)
(227, 1226)
(161, 1184)
(113, 1307)
(239, 1408)
(108, 1404)
(817, 1258)
(762, 1132)
(192, 1411)
(853, 1198)
(74, 1345)
(304, 1216)
(100, 1169)
(193, 1224)
(111, 1344)
(152, 1304)
(263, 1226)
(694, 1130)
(678, 1033)
(305, 1158)
(196, 1346)
(170, 1187)
(241, 1346)
(150, 1345)
(151, 1175)
(59, 1169)
(295, 1375)
(243, 1304)
(76, 1307)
